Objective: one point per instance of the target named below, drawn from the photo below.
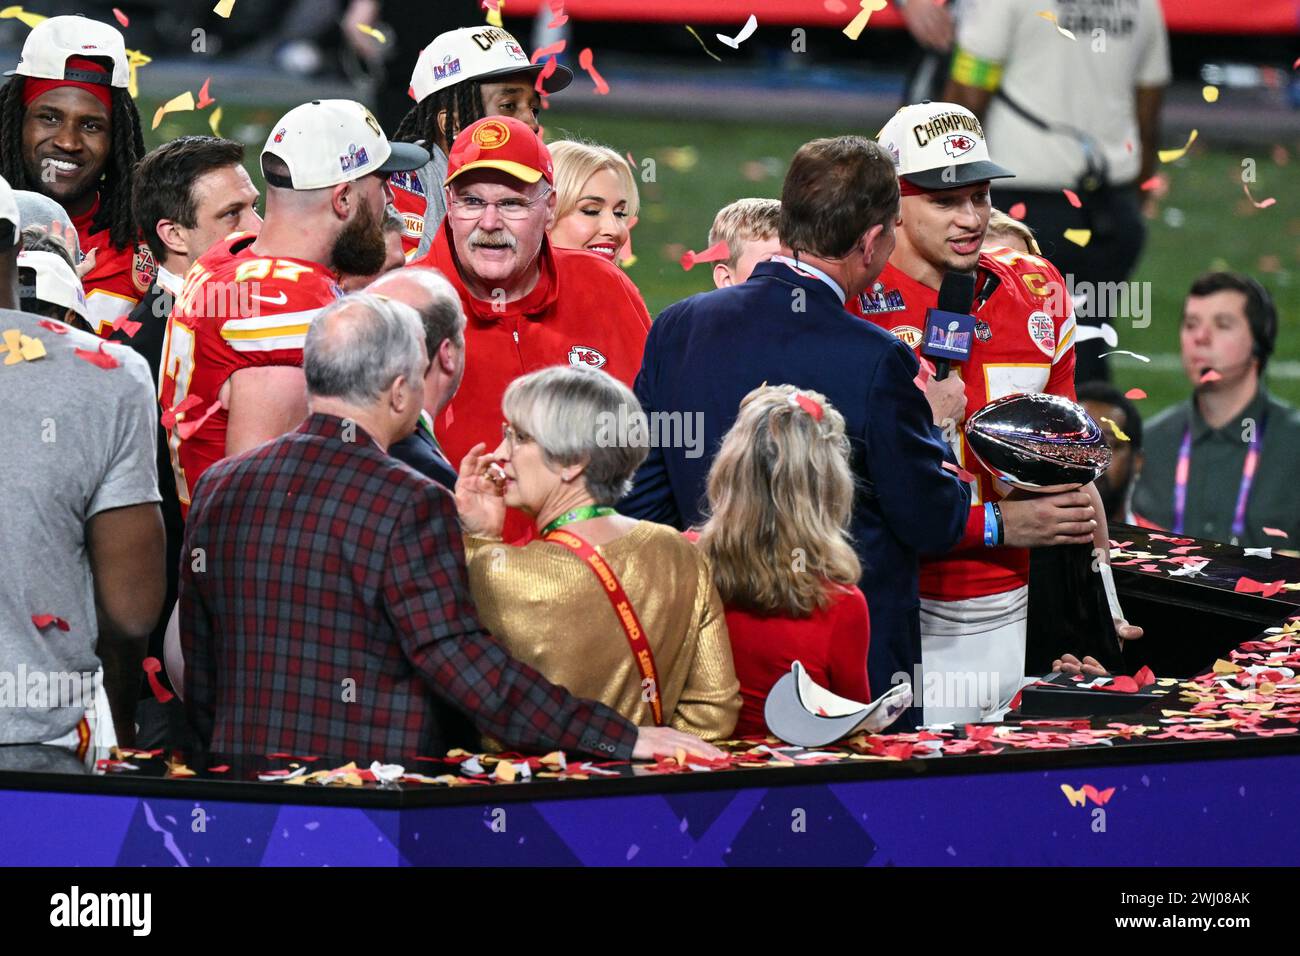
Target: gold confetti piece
(494, 14)
(214, 121)
(1210, 94)
(1225, 667)
(1119, 432)
(177, 104)
(1169, 155)
(134, 60)
(859, 22)
(680, 756)
(505, 772)
(18, 13)
(457, 752)
(32, 349)
(368, 30)
(1267, 687)
(1080, 237)
(224, 8)
(1050, 17)
(691, 31)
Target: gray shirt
(78, 440)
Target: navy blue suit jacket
(422, 453)
(705, 353)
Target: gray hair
(439, 307)
(358, 346)
(580, 415)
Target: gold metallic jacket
(549, 610)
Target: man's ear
(552, 202)
(173, 236)
(398, 394)
(869, 240)
(342, 198)
(446, 358)
(722, 277)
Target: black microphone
(948, 326)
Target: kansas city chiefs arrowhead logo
(957, 145)
(585, 355)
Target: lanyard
(578, 514)
(1183, 471)
(813, 271)
(623, 610)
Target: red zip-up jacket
(583, 311)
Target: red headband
(34, 86)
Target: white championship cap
(939, 146)
(46, 51)
(327, 142)
(476, 53)
(56, 282)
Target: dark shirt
(1218, 456)
(151, 312)
(706, 353)
(332, 614)
(421, 451)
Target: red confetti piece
(1135, 394)
(585, 61)
(58, 328)
(219, 769)
(1096, 796)
(1275, 532)
(168, 418)
(42, 621)
(1261, 204)
(1153, 183)
(835, 6)
(718, 252)
(204, 98)
(1121, 684)
(959, 471)
(186, 429)
(551, 49)
(123, 323)
(547, 71)
(1073, 199)
(1210, 375)
(1296, 65)
(1262, 588)
(151, 667)
(121, 17)
(1145, 677)
(448, 417)
(558, 22)
(1017, 211)
(100, 358)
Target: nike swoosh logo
(266, 298)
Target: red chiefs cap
(504, 143)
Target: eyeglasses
(513, 437)
(469, 208)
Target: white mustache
(497, 239)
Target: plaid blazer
(325, 609)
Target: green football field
(699, 166)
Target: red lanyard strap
(623, 610)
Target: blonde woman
(1011, 233)
(662, 657)
(780, 496)
(597, 199)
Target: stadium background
(720, 130)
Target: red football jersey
(118, 280)
(236, 310)
(1024, 342)
(410, 202)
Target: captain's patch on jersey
(1043, 332)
